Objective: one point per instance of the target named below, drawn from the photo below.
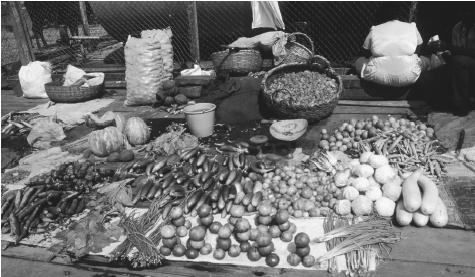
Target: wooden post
(85, 23)
(22, 34)
(413, 11)
(193, 31)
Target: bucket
(200, 118)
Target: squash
(430, 195)
(104, 142)
(439, 218)
(93, 121)
(403, 217)
(420, 219)
(126, 155)
(411, 193)
(136, 131)
(288, 130)
(113, 157)
(120, 121)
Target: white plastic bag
(33, 78)
(266, 14)
(265, 40)
(45, 131)
(395, 71)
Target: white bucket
(200, 118)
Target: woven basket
(288, 109)
(241, 61)
(72, 94)
(296, 52)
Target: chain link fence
(337, 29)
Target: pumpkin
(136, 131)
(120, 122)
(106, 141)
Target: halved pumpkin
(289, 130)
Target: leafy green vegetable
(90, 235)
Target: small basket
(241, 61)
(72, 94)
(296, 52)
(288, 109)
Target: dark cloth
(462, 74)
(236, 98)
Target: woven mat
(459, 197)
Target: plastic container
(200, 118)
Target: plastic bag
(33, 78)
(149, 61)
(72, 75)
(395, 71)
(45, 131)
(266, 14)
(265, 40)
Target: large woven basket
(288, 109)
(72, 94)
(297, 52)
(240, 61)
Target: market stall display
(407, 144)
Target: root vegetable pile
(306, 88)
(408, 145)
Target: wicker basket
(287, 109)
(296, 52)
(72, 94)
(241, 61)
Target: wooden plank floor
(13, 103)
(422, 252)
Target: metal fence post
(22, 34)
(85, 23)
(193, 31)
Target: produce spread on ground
(140, 200)
(180, 197)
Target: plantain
(204, 177)
(166, 211)
(236, 162)
(223, 175)
(214, 196)
(201, 160)
(208, 184)
(224, 192)
(192, 200)
(230, 178)
(221, 203)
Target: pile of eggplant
(32, 209)
(200, 177)
(51, 197)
